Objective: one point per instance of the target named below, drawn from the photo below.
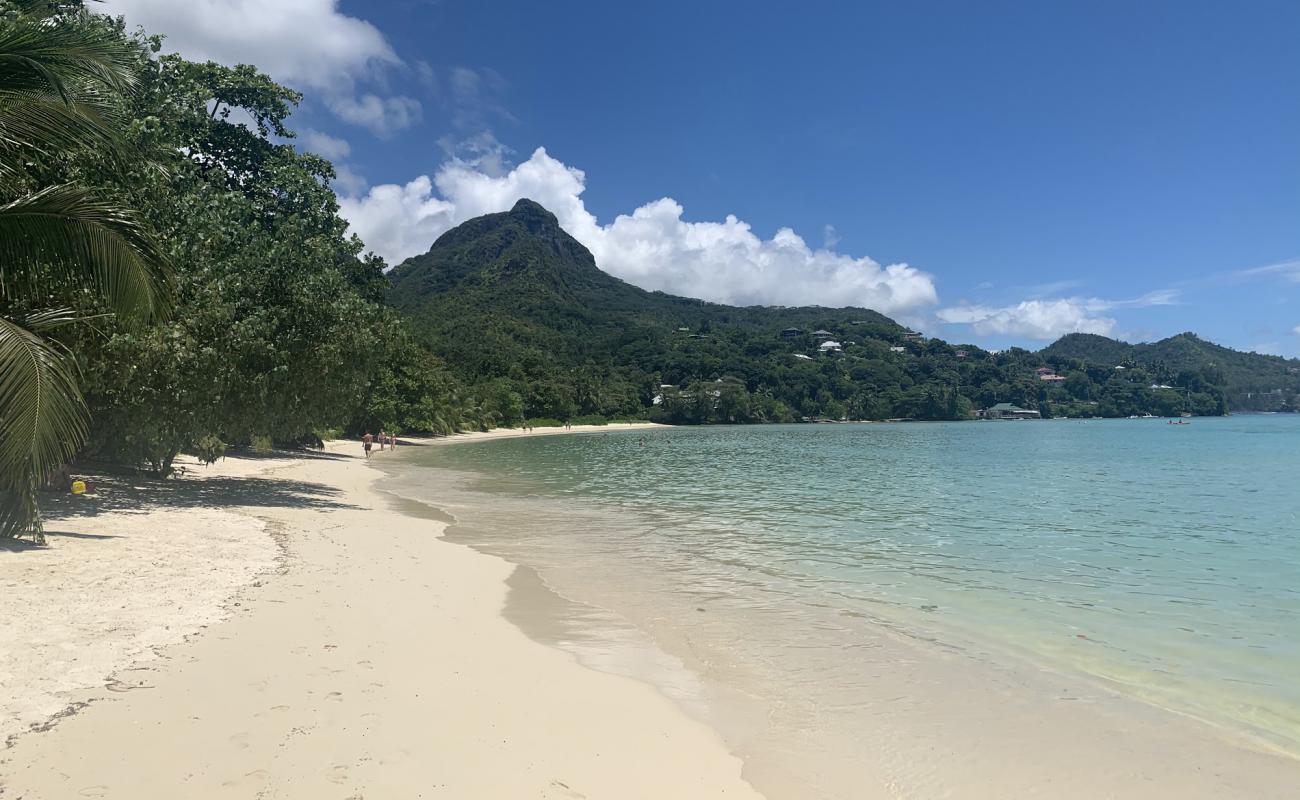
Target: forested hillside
(1254, 382)
(521, 313)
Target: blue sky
(1114, 167)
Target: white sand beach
(271, 628)
(277, 626)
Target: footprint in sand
(335, 696)
(94, 791)
(240, 740)
(338, 774)
(256, 776)
(561, 789)
(365, 663)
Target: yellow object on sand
(78, 487)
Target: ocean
(814, 581)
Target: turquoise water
(1161, 560)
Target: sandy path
(378, 666)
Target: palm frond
(42, 415)
(65, 234)
(41, 56)
(43, 122)
(58, 87)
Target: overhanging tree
(63, 246)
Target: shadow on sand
(133, 493)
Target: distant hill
(520, 311)
(545, 298)
(1254, 382)
(512, 295)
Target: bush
(209, 449)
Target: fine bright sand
(271, 628)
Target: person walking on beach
(366, 442)
(383, 437)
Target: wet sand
(852, 707)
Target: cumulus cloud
(654, 246)
(308, 44)
(1049, 319)
(398, 222)
(1296, 330)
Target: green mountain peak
(521, 312)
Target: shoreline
(371, 659)
(1052, 726)
(520, 433)
(332, 516)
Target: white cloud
(384, 116)
(324, 145)
(308, 44)
(1036, 319)
(488, 155)
(1286, 270)
(830, 236)
(1160, 297)
(653, 247)
(348, 181)
(1296, 330)
(398, 221)
(1049, 319)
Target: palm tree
(61, 74)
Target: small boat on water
(1179, 422)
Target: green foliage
(407, 389)
(63, 247)
(278, 328)
(1249, 381)
(518, 309)
(208, 449)
(278, 331)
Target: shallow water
(1160, 560)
